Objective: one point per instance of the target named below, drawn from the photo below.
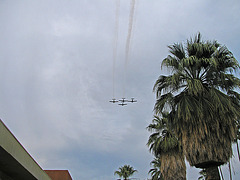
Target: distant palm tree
(164, 145)
(125, 171)
(155, 171)
(200, 94)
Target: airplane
(123, 100)
(132, 100)
(122, 104)
(113, 100)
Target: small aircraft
(123, 100)
(122, 104)
(132, 100)
(113, 100)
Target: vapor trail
(115, 42)
(133, 27)
(128, 42)
(130, 27)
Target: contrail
(133, 27)
(128, 41)
(115, 42)
(130, 27)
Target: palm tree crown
(162, 139)
(200, 95)
(125, 171)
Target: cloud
(56, 76)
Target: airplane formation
(130, 30)
(123, 101)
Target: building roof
(15, 161)
(59, 174)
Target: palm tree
(165, 146)
(200, 96)
(125, 171)
(155, 171)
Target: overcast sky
(56, 76)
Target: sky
(56, 76)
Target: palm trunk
(173, 165)
(212, 173)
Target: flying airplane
(132, 100)
(123, 100)
(113, 100)
(122, 104)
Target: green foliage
(162, 139)
(125, 171)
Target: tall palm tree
(165, 146)
(155, 171)
(200, 96)
(125, 171)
